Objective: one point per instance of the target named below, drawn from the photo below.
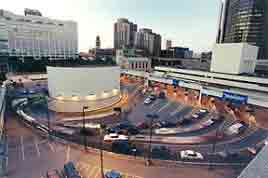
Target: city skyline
(97, 18)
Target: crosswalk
(87, 170)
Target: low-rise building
(234, 58)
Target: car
(53, 174)
(190, 154)
(203, 111)
(143, 125)
(165, 131)
(114, 136)
(147, 101)
(208, 122)
(166, 124)
(113, 174)
(162, 95)
(196, 116)
(237, 128)
(184, 122)
(70, 170)
(152, 97)
(32, 92)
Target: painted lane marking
(7, 156)
(176, 110)
(164, 107)
(22, 148)
(68, 154)
(97, 173)
(51, 147)
(37, 147)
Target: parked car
(203, 111)
(147, 101)
(113, 174)
(208, 123)
(189, 154)
(184, 122)
(53, 174)
(114, 136)
(152, 97)
(237, 128)
(70, 171)
(143, 125)
(165, 131)
(162, 95)
(196, 116)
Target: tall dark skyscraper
(245, 21)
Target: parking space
(94, 171)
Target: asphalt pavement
(31, 156)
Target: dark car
(152, 97)
(162, 95)
(143, 125)
(70, 170)
(113, 174)
(184, 121)
(121, 146)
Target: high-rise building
(36, 36)
(245, 21)
(98, 42)
(148, 41)
(168, 44)
(124, 33)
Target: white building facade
(72, 88)
(234, 58)
(36, 36)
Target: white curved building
(71, 88)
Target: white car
(208, 122)
(195, 116)
(189, 154)
(165, 131)
(114, 137)
(203, 110)
(147, 101)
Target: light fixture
(60, 97)
(105, 94)
(115, 91)
(91, 97)
(75, 98)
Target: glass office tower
(245, 21)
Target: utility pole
(48, 118)
(151, 117)
(84, 127)
(102, 127)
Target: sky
(189, 23)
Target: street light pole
(48, 118)
(84, 127)
(152, 117)
(214, 146)
(101, 147)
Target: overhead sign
(235, 97)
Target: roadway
(30, 156)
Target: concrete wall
(82, 83)
(234, 58)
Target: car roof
(113, 134)
(113, 174)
